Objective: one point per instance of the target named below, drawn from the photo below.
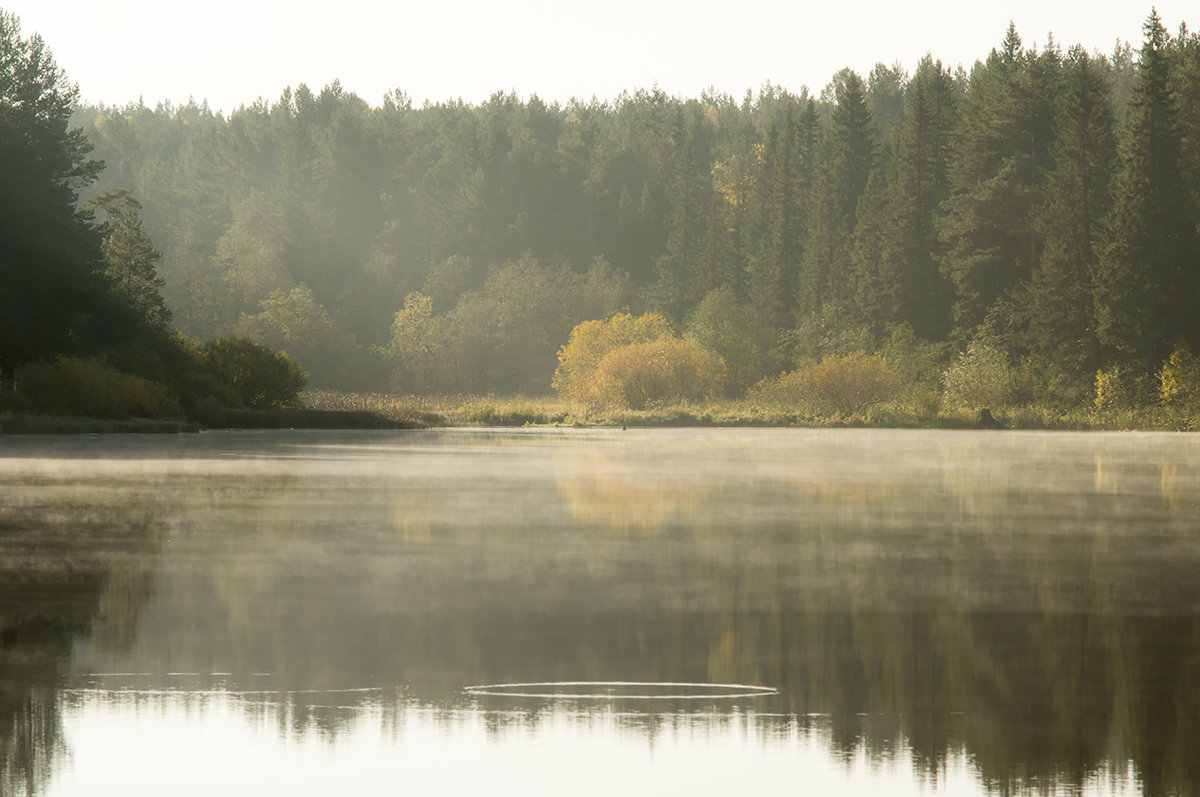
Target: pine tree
(1186, 88)
(886, 87)
(912, 290)
(1147, 276)
(1070, 219)
(53, 298)
(872, 226)
(732, 213)
(689, 194)
(784, 186)
(734, 189)
(1001, 156)
(847, 152)
(131, 261)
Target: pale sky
(232, 52)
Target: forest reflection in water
(952, 612)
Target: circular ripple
(623, 690)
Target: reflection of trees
(32, 639)
(1021, 601)
(1052, 608)
(67, 569)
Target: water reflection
(950, 612)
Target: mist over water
(928, 612)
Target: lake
(572, 611)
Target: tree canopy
(1044, 202)
(84, 328)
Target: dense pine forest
(1025, 232)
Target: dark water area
(587, 611)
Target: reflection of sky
(178, 745)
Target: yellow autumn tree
(660, 372)
(591, 341)
(1179, 379)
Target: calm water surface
(315, 613)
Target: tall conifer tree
(688, 193)
(847, 153)
(53, 297)
(783, 194)
(1070, 219)
(1148, 275)
(1001, 155)
(1186, 87)
(912, 289)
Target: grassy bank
(326, 409)
(552, 411)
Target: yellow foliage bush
(660, 372)
(1119, 388)
(848, 384)
(591, 341)
(1179, 379)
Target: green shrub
(258, 377)
(657, 373)
(735, 332)
(91, 389)
(11, 400)
(847, 384)
(980, 377)
(919, 363)
(827, 332)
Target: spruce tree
(912, 289)
(689, 194)
(1070, 218)
(1001, 156)
(1147, 279)
(846, 157)
(784, 185)
(1186, 87)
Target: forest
(1025, 232)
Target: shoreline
(329, 410)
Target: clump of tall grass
(401, 409)
(507, 411)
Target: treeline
(84, 330)
(1045, 204)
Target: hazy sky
(231, 52)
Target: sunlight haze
(231, 53)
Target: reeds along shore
(433, 411)
(325, 409)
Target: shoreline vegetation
(329, 409)
(519, 411)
